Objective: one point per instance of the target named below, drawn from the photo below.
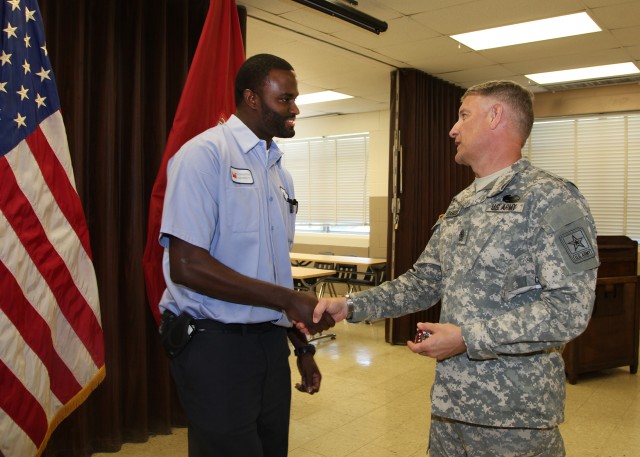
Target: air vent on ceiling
(592, 83)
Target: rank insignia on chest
(462, 236)
(453, 211)
(503, 207)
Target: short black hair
(254, 71)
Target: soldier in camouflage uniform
(514, 262)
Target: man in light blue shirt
(228, 224)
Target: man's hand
(311, 376)
(445, 341)
(301, 312)
(334, 309)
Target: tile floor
(374, 403)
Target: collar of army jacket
(468, 196)
(503, 181)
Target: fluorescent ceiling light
(528, 32)
(319, 97)
(579, 74)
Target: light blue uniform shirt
(225, 194)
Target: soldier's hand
(445, 341)
(301, 312)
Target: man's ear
(495, 114)
(250, 98)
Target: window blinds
(601, 155)
(330, 178)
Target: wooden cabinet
(611, 338)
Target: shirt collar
(247, 140)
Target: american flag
(51, 340)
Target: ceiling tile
(328, 53)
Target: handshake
(312, 316)
(439, 341)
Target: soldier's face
(470, 132)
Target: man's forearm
(194, 268)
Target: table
(304, 273)
(303, 259)
(375, 264)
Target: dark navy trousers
(235, 388)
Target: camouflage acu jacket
(515, 267)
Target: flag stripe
(58, 229)
(21, 406)
(62, 189)
(27, 226)
(38, 294)
(51, 339)
(37, 334)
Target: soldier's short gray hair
(519, 98)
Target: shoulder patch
(577, 245)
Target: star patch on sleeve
(577, 245)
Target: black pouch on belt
(175, 332)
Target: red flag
(51, 340)
(207, 97)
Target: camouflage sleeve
(557, 307)
(417, 289)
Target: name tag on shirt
(241, 176)
(502, 207)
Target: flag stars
(40, 101)
(27, 67)
(3, 87)
(15, 4)
(27, 41)
(44, 48)
(29, 14)
(5, 58)
(20, 120)
(23, 93)
(44, 74)
(10, 31)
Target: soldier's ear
(495, 114)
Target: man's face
(278, 106)
(469, 132)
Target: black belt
(220, 327)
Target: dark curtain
(120, 67)
(427, 176)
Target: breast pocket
(243, 209)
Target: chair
(344, 274)
(371, 277)
(299, 285)
(325, 281)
